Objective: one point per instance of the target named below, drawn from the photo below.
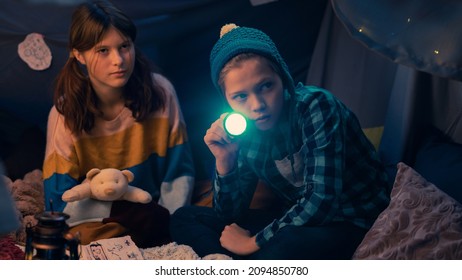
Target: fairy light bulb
(235, 124)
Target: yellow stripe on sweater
(58, 164)
(121, 150)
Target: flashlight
(235, 124)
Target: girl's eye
(125, 47)
(102, 51)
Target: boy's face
(254, 89)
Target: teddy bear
(108, 184)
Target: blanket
(28, 195)
(174, 251)
(9, 250)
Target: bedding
(27, 193)
(9, 250)
(174, 251)
(421, 222)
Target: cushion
(439, 160)
(421, 222)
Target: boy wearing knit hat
(303, 143)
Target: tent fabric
(360, 78)
(421, 34)
(421, 39)
(418, 102)
(401, 99)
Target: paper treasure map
(120, 248)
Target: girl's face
(110, 62)
(254, 89)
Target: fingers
(223, 148)
(235, 228)
(216, 133)
(237, 240)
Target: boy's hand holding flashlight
(220, 138)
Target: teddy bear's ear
(92, 173)
(129, 175)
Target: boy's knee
(181, 212)
(187, 212)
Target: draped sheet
(398, 101)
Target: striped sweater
(155, 150)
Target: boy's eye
(266, 85)
(239, 97)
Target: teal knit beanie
(235, 40)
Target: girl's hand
(222, 146)
(238, 240)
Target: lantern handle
(29, 251)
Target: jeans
(200, 227)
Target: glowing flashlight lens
(235, 124)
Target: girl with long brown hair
(111, 111)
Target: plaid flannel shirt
(336, 174)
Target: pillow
(439, 160)
(421, 222)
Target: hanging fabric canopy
(422, 34)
